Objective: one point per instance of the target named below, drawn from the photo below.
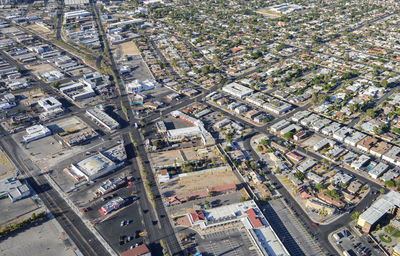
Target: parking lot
(346, 240)
(227, 243)
(112, 231)
(140, 70)
(295, 237)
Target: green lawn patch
(389, 229)
(385, 238)
(396, 233)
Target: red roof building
(253, 217)
(197, 216)
(294, 156)
(237, 49)
(141, 250)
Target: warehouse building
(98, 165)
(237, 90)
(102, 118)
(13, 189)
(386, 206)
(36, 132)
(78, 91)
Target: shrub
(385, 238)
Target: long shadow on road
(280, 229)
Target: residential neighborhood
(172, 127)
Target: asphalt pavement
(69, 221)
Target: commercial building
(277, 107)
(112, 205)
(161, 127)
(110, 185)
(237, 90)
(259, 230)
(36, 132)
(141, 250)
(387, 205)
(102, 118)
(197, 130)
(317, 204)
(6, 105)
(98, 165)
(277, 127)
(77, 91)
(49, 103)
(137, 86)
(13, 189)
(74, 16)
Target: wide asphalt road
(69, 221)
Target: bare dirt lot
(39, 29)
(38, 69)
(127, 48)
(6, 167)
(178, 156)
(190, 184)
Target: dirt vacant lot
(39, 29)
(190, 184)
(6, 167)
(127, 48)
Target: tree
(229, 136)
(288, 135)
(371, 113)
(243, 199)
(158, 143)
(299, 175)
(253, 165)
(319, 186)
(382, 190)
(384, 83)
(355, 215)
(390, 183)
